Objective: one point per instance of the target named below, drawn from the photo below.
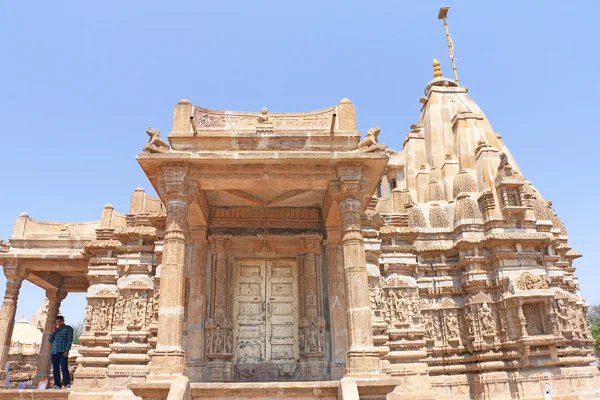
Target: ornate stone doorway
(265, 319)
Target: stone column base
(166, 365)
(363, 364)
(220, 371)
(313, 370)
(337, 371)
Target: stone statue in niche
(136, 311)
(155, 306)
(102, 316)
(532, 318)
(156, 144)
(379, 299)
(229, 341)
(486, 316)
(218, 340)
(452, 329)
(119, 307)
(219, 337)
(427, 321)
(311, 337)
(563, 316)
(98, 317)
(87, 316)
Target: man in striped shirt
(61, 339)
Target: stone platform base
(48, 394)
(574, 383)
(253, 390)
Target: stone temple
(287, 258)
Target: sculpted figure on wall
(431, 323)
(527, 281)
(563, 316)
(533, 320)
(219, 337)
(119, 307)
(98, 315)
(488, 320)
(156, 295)
(87, 317)
(379, 300)
(263, 118)
(156, 144)
(4, 246)
(452, 328)
(370, 142)
(311, 337)
(393, 302)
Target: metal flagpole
(442, 15)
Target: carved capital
(334, 236)
(310, 245)
(175, 183)
(198, 233)
(349, 172)
(13, 272)
(220, 245)
(350, 190)
(55, 295)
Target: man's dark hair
(60, 317)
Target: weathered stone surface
(282, 250)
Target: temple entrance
(265, 313)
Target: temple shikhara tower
(286, 257)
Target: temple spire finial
(442, 14)
(437, 70)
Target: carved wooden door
(282, 326)
(250, 311)
(266, 323)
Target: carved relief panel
(395, 302)
(98, 316)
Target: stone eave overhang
(311, 169)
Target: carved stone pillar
(14, 279)
(131, 309)
(96, 340)
(196, 303)
(219, 325)
(338, 308)
(168, 359)
(55, 297)
(362, 357)
(312, 324)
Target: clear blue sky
(81, 81)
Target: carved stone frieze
(242, 121)
(528, 281)
(280, 217)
